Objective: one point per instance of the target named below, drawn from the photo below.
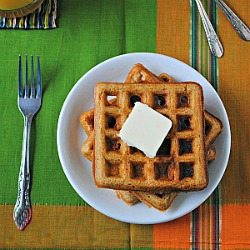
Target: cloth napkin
(89, 33)
(42, 18)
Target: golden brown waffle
(159, 201)
(140, 74)
(88, 147)
(213, 127)
(127, 196)
(211, 152)
(87, 123)
(118, 166)
(166, 78)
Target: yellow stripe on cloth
(63, 227)
(173, 29)
(234, 89)
(141, 236)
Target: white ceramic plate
(70, 137)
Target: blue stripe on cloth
(42, 18)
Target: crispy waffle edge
(201, 182)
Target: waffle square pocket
(182, 167)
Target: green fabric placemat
(108, 28)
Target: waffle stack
(156, 182)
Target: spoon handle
(212, 38)
(242, 30)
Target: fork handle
(22, 210)
(212, 38)
(242, 30)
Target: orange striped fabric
(173, 235)
(235, 227)
(233, 87)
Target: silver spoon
(212, 38)
(242, 30)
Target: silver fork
(29, 102)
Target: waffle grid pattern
(119, 166)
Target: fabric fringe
(42, 18)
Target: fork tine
(39, 79)
(32, 78)
(26, 94)
(20, 77)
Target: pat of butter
(145, 129)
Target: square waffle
(213, 127)
(118, 166)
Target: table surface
(88, 33)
